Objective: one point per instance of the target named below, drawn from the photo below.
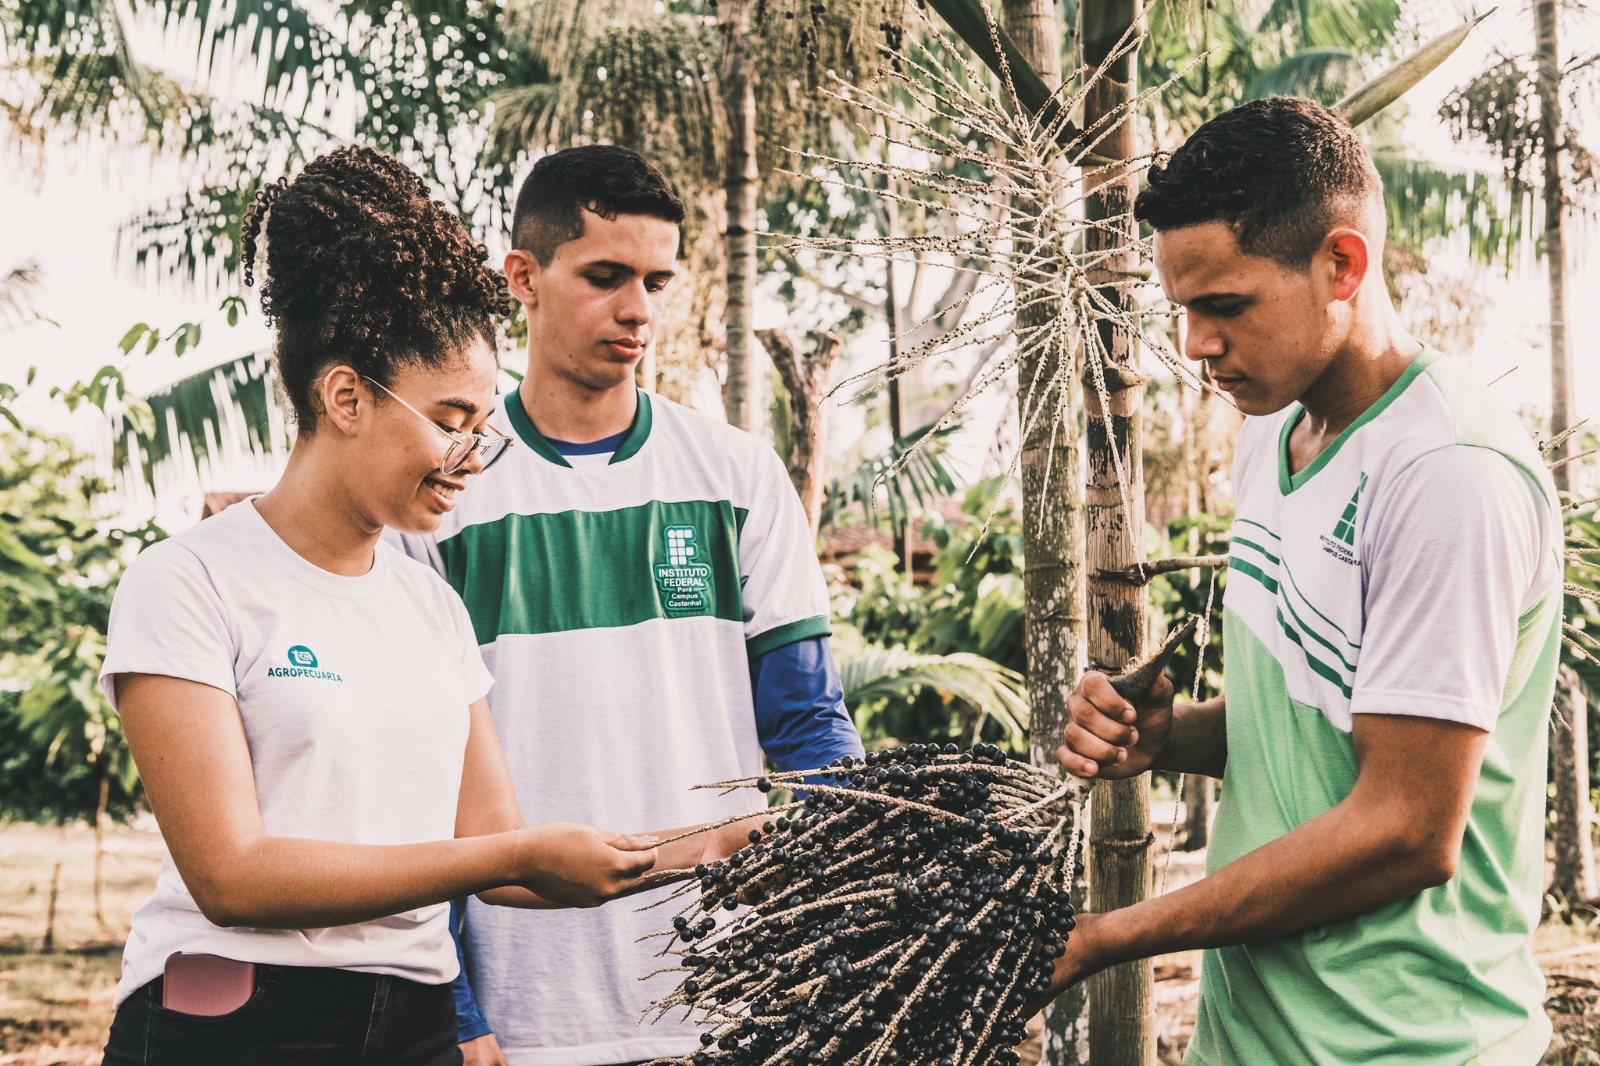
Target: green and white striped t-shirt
(1413, 569)
(618, 606)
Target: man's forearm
(1346, 862)
(1198, 740)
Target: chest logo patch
(303, 663)
(684, 584)
(1341, 545)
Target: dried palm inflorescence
(909, 910)
(1010, 183)
(918, 900)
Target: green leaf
(991, 691)
(911, 472)
(106, 385)
(131, 338)
(1323, 74)
(186, 337)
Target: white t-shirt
(354, 695)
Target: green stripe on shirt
(788, 633)
(1270, 584)
(563, 594)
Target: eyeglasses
(490, 445)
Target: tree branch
(1141, 575)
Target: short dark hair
(602, 178)
(365, 268)
(1280, 172)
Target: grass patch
(55, 1006)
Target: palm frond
(653, 86)
(18, 287)
(522, 119)
(193, 236)
(227, 408)
(923, 477)
(82, 70)
(1323, 74)
(1427, 203)
(1356, 24)
(990, 690)
(291, 45)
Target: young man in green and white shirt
(645, 592)
(1392, 628)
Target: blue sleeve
(470, 1023)
(801, 719)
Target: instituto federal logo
(1342, 544)
(1345, 530)
(683, 583)
(303, 663)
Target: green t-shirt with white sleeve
(1414, 568)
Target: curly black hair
(364, 268)
(1281, 172)
(602, 178)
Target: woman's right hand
(581, 866)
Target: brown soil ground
(55, 1001)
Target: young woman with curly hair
(305, 704)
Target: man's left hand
(1081, 960)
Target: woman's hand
(718, 844)
(581, 866)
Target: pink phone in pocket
(206, 985)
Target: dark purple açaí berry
(918, 933)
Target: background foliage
(60, 740)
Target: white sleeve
(167, 618)
(785, 598)
(1453, 553)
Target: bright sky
(64, 215)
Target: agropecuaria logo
(303, 663)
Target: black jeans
(298, 1016)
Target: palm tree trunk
(1121, 1030)
(1574, 874)
(1052, 533)
(739, 104)
(805, 376)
